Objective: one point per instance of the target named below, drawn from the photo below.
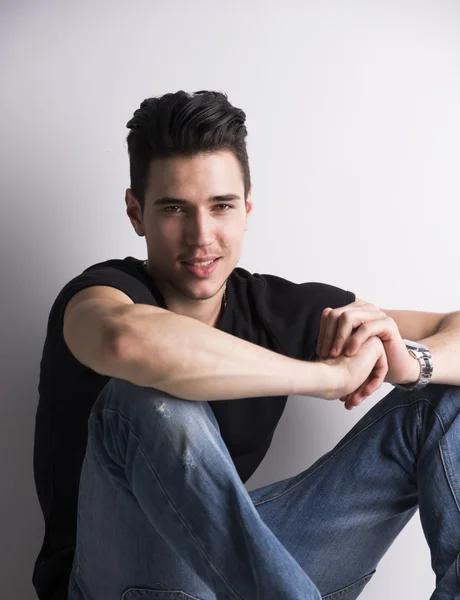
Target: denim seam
(447, 461)
(339, 449)
(419, 422)
(171, 503)
(180, 594)
(338, 593)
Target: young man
(162, 382)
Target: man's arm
(191, 360)
(344, 329)
(444, 346)
(441, 333)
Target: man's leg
(161, 507)
(340, 516)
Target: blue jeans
(162, 512)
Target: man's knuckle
(371, 306)
(391, 322)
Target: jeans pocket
(151, 594)
(350, 592)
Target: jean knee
(146, 403)
(127, 416)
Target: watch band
(423, 354)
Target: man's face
(177, 231)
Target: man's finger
(322, 329)
(347, 326)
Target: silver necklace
(224, 299)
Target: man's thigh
(339, 517)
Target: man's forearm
(444, 346)
(195, 361)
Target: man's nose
(200, 230)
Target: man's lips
(203, 271)
(197, 260)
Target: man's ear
(249, 206)
(133, 210)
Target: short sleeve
(110, 276)
(292, 312)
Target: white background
(354, 142)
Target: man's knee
(126, 415)
(146, 403)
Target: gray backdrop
(354, 133)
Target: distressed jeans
(163, 514)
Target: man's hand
(345, 329)
(355, 377)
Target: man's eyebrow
(180, 201)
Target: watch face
(419, 345)
(415, 345)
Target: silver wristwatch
(422, 353)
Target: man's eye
(166, 209)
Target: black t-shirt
(263, 309)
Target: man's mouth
(203, 269)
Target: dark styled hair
(183, 124)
